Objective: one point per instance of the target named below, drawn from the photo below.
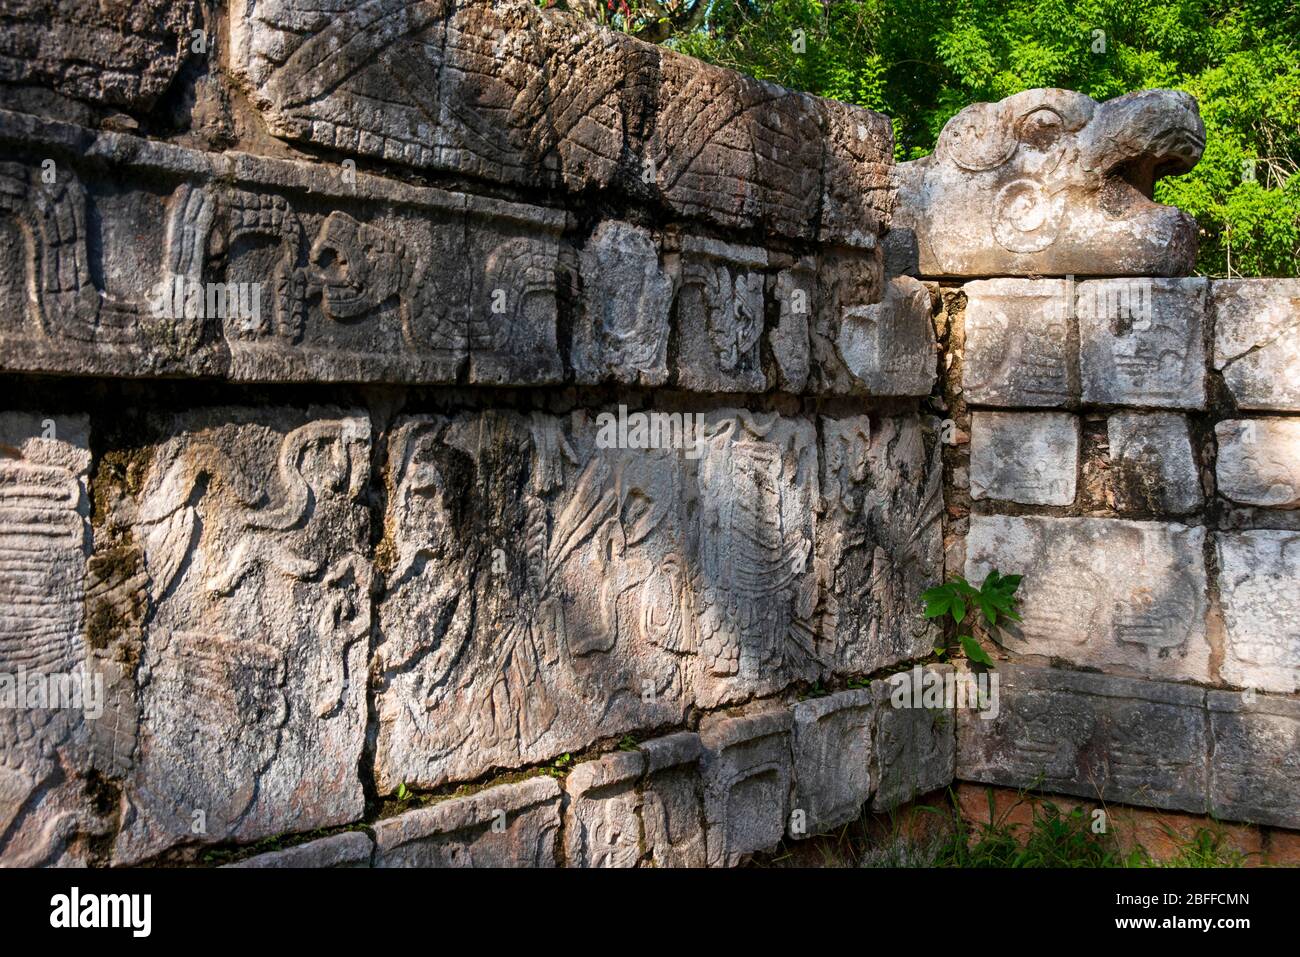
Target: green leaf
(974, 651)
(958, 610)
(963, 587)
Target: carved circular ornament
(978, 138)
(1025, 218)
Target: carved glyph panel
(544, 591)
(48, 703)
(1106, 593)
(251, 530)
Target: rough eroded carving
(251, 690)
(1051, 182)
(1102, 592)
(45, 813)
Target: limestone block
(913, 747)
(1255, 766)
(393, 288)
(832, 760)
(796, 295)
(253, 533)
(1026, 457)
(888, 347)
(460, 87)
(1093, 736)
(720, 314)
(857, 178)
(1103, 593)
(511, 825)
(1259, 461)
(1141, 341)
(736, 150)
(879, 540)
(51, 695)
(1017, 339)
(348, 849)
(1152, 464)
(849, 314)
(602, 822)
(141, 310)
(537, 594)
(1255, 341)
(747, 775)
(1259, 591)
(121, 57)
(514, 259)
(622, 333)
(672, 810)
(505, 92)
(1053, 183)
(756, 585)
(545, 591)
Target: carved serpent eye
(1039, 129)
(978, 138)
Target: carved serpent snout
(1050, 182)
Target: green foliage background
(920, 61)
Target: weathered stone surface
(1051, 182)
(747, 774)
(122, 316)
(1255, 341)
(1152, 464)
(1017, 340)
(514, 259)
(1255, 767)
(796, 294)
(1259, 461)
(626, 295)
(1259, 590)
(850, 290)
(1141, 341)
(832, 757)
(1026, 457)
(349, 849)
(913, 748)
(672, 808)
(319, 277)
(756, 584)
(46, 816)
(879, 540)
(857, 179)
(602, 820)
(252, 532)
(505, 92)
(544, 592)
(114, 56)
(736, 150)
(888, 347)
(720, 310)
(537, 590)
(1095, 736)
(512, 825)
(1101, 592)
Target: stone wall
(1150, 503)
(313, 328)
(450, 433)
(1132, 447)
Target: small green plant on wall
(957, 599)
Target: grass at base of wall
(937, 834)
